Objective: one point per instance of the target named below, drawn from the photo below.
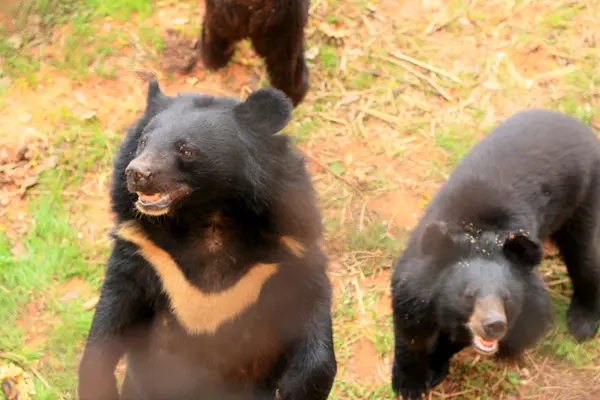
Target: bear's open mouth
(157, 204)
(485, 346)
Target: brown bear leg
(215, 50)
(282, 47)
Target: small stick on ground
(428, 67)
(40, 377)
(419, 75)
(344, 180)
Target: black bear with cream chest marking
(216, 287)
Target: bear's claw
(408, 387)
(583, 324)
(436, 376)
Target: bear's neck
(234, 228)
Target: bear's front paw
(408, 387)
(435, 376)
(583, 323)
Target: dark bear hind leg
(577, 241)
(215, 50)
(283, 51)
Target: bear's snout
(139, 173)
(488, 318)
(494, 325)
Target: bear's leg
(577, 241)
(410, 371)
(282, 47)
(439, 359)
(215, 50)
(121, 308)
(415, 332)
(312, 366)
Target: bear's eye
(141, 145)
(186, 152)
(470, 294)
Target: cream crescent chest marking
(197, 311)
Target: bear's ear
(266, 110)
(435, 238)
(156, 100)
(520, 248)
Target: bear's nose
(494, 327)
(138, 171)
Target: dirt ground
(399, 92)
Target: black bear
(468, 274)
(276, 29)
(216, 287)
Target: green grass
(560, 343)
(328, 58)
(87, 46)
(54, 254)
(121, 8)
(455, 142)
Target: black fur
(276, 29)
(261, 190)
(536, 176)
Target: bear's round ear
(156, 100)
(520, 248)
(435, 238)
(266, 110)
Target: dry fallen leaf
(4, 82)
(491, 85)
(348, 99)
(25, 117)
(311, 53)
(15, 41)
(16, 383)
(69, 296)
(180, 21)
(333, 32)
(80, 97)
(88, 115)
(91, 303)
(28, 182)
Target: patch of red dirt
(551, 380)
(362, 365)
(179, 53)
(74, 288)
(35, 323)
(381, 282)
(398, 207)
(179, 27)
(92, 215)
(407, 10)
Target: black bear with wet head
(216, 287)
(468, 274)
(276, 29)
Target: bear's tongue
(485, 345)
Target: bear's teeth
(149, 197)
(486, 344)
